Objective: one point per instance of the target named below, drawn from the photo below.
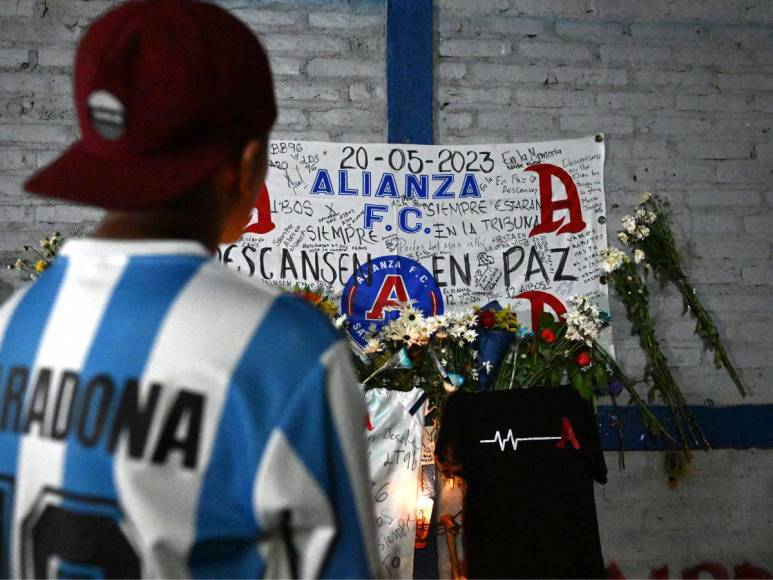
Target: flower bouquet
(435, 353)
(633, 290)
(33, 261)
(488, 348)
(498, 328)
(569, 350)
(648, 231)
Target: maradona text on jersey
(97, 411)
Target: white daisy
(373, 346)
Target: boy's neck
(160, 225)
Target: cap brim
(80, 176)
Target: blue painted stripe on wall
(409, 71)
(735, 427)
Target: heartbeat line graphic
(514, 440)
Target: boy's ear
(253, 166)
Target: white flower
(431, 325)
(410, 315)
(642, 231)
(646, 197)
(623, 237)
(463, 317)
(339, 321)
(649, 216)
(583, 320)
(410, 327)
(573, 334)
(400, 332)
(373, 346)
(487, 365)
(629, 224)
(456, 331)
(638, 256)
(459, 325)
(612, 259)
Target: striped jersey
(162, 416)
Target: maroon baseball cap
(164, 89)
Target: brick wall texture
(683, 91)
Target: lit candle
(423, 517)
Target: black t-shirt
(529, 458)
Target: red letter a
(260, 216)
(392, 291)
(567, 434)
(548, 206)
(538, 300)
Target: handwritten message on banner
(445, 226)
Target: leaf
(584, 386)
(577, 381)
(546, 320)
(600, 376)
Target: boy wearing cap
(159, 415)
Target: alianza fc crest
(383, 283)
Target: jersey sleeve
(311, 493)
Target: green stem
(670, 392)
(515, 363)
(35, 250)
(650, 420)
(708, 330)
(629, 284)
(559, 346)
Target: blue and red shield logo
(382, 283)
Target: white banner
(445, 226)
